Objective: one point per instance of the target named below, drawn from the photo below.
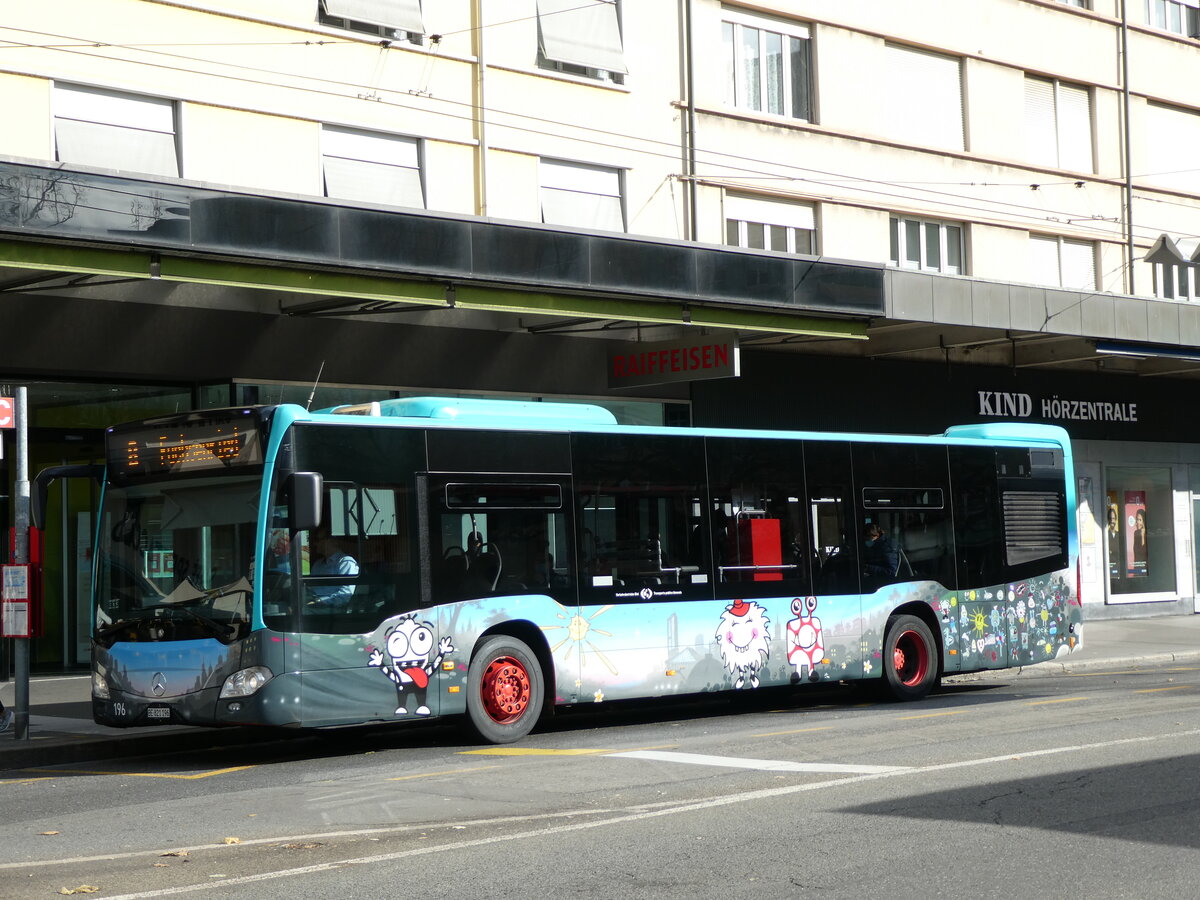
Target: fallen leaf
(161, 866)
(49, 832)
(82, 889)
(174, 853)
(232, 840)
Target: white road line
(762, 765)
(726, 800)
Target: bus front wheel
(910, 663)
(505, 690)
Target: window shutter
(110, 130)
(582, 196)
(1074, 128)
(1170, 134)
(925, 98)
(767, 212)
(404, 15)
(372, 168)
(1043, 260)
(581, 33)
(1041, 140)
(1079, 265)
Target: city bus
(427, 557)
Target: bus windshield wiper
(214, 628)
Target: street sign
(8, 416)
(16, 582)
(15, 621)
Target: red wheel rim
(505, 690)
(910, 659)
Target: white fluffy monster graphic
(409, 644)
(744, 637)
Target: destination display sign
(191, 444)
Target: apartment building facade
(905, 216)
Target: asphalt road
(1029, 786)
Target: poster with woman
(1136, 543)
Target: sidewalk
(61, 729)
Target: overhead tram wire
(1031, 213)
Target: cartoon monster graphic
(409, 667)
(744, 637)
(805, 640)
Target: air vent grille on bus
(1032, 525)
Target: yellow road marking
(447, 772)
(952, 712)
(528, 751)
(793, 731)
(1177, 687)
(193, 777)
(25, 780)
(1103, 674)
(1059, 700)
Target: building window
(396, 20)
(1176, 16)
(927, 245)
(1061, 262)
(760, 224)
(1171, 136)
(1058, 124)
(110, 130)
(1176, 282)
(371, 168)
(582, 196)
(581, 37)
(924, 98)
(1082, 4)
(768, 66)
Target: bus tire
(910, 659)
(505, 690)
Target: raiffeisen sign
(672, 361)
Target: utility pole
(21, 557)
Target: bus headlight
(100, 686)
(246, 682)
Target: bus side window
(830, 505)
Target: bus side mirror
(304, 491)
(41, 487)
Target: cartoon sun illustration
(979, 620)
(578, 628)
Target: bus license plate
(158, 712)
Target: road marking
(621, 817)
(793, 731)
(950, 712)
(529, 751)
(26, 780)
(447, 772)
(193, 777)
(762, 765)
(1177, 687)
(1057, 700)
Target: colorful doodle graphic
(805, 640)
(744, 637)
(409, 667)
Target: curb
(1070, 666)
(31, 754)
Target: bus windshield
(174, 559)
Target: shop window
(1140, 531)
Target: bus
(426, 557)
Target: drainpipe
(481, 169)
(1128, 142)
(690, 163)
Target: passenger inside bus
(881, 556)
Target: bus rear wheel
(910, 664)
(505, 690)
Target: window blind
(404, 15)
(581, 195)
(372, 168)
(767, 212)
(112, 130)
(581, 33)
(924, 98)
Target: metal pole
(1129, 247)
(21, 555)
